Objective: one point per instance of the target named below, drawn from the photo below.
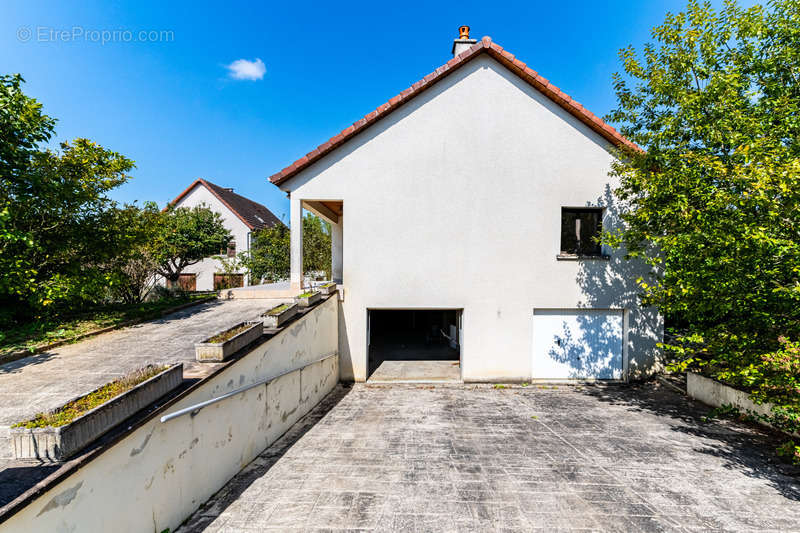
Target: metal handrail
(196, 407)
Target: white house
(241, 217)
(463, 212)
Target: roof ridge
(255, 209)
(505, 58)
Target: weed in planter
(278, 310)
(74, 409)
(307, 294)
(229, 334)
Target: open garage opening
(415, 345)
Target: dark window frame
(579, 226)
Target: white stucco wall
(206, 268)
(159, 474)
(454, 201)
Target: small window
(232, 249)
(580, 230)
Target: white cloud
(242, 69)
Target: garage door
(577, 344)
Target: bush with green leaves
(185, 236)
(269, 258)
(55, 213)
(712, 201)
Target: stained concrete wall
(454, 201)
(159, 474)
(206, 268)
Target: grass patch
(307, 294)
(278, 310)
(72, 410)
(31, 335)
(228, 334)
(499, 386)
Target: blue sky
(172, 105)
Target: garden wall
(155, 477)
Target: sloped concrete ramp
(476, 458)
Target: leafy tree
(316, 245)
(133, 268)
(268, 259)
(54, 209)
(715, 105)
(186, 236)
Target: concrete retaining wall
(56, 444)
(716, 394)
(158, 475)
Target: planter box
(716, 394)
(308, 300)
(53, 444)
(277, 319)
(219, 351)
(328, 288)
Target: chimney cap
(463, 42)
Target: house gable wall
(206, 268)
(454, 201)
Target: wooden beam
(321, 210)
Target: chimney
(463, 42)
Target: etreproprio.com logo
(48, 34)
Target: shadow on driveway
(13, 367)
(745, 448)
(263, 463)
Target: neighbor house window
(232, 249)
(580, 230)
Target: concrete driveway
(46, 381)
(476, 458)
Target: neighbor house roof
(254, 215)
(484, 46)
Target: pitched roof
(254, 215)
(484, 46)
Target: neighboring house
(241, 216)
(465, 208)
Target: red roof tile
(484, 46)
(254, 215)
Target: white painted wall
(454, 201)
(158, 475)
(206, 268)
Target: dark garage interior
(413, 335)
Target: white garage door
(577, 343)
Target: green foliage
(713, 200)
(269, 252)
(80, 406)
(316, 245)
(55, 215)
(278, 309)
(133, 268)
(269, 255)
(41, 331)
(186, 236)
(228, 334)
